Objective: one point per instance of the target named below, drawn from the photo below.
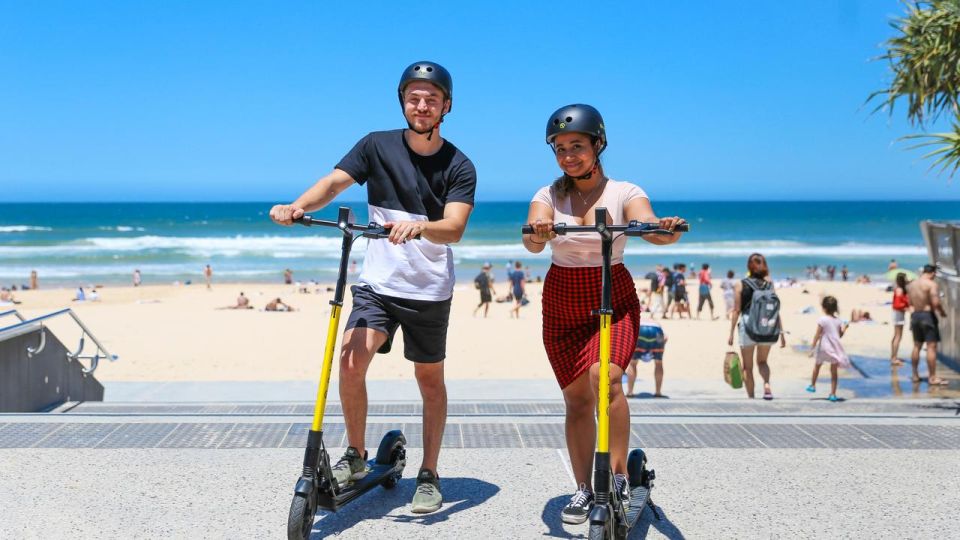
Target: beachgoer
(653, 279)
(353, 266)
(288, 277)
(925, 299)
(651, 343)
(484, 284)
(208, 276)
(705, 285)
(94, 296)
(844, 273)
(417, 184)
(728, 286)
(244, 303)
(681, 302)
(274, 305)
(901, 303)
(136, 277)
(758, 279)
(80, 295)
(571, 290)
(7, 298)
(863, 279)
(860, 315)
(517, 288)
(826, 346)
(34, 280)
(893, 265)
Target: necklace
(584, 199)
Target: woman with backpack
(757, 307)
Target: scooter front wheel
(598, 531)
(300, 521)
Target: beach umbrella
(891, 275)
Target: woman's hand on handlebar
(401, 231)
(284, 214)
(542, 230)
(670, 223)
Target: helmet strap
(589, 175)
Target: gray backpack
(763, 321)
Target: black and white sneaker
(622, 487)
(578, 509)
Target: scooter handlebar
(634, 228)
(371, 230)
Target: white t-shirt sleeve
(633, 192)
(543, 196)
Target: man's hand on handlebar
(284, 214)
(401, 231)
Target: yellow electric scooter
(317, 487)
(613, 517)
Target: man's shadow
(551, 518)
(380, 504)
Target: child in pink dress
(826, 345)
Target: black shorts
(925, 327)
(424, 323)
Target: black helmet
(577, 118)
(431, 72)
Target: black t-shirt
(405, 186)
(397, 178)
(654, 280)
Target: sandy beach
(176, 333)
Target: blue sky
(239, 101)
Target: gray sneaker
(350, 467)
(427, 498)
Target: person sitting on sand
(863, 279)
(860, 315)
(80, 295)
(277, 305)
(6, 297)
(242, 303)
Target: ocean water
(102, 243)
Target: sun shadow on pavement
(551, 518)
(458, 494)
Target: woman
(728, 286)
(758, 277)
(571, 290)
(901, 303)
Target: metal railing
(11, 312)
(94, 358)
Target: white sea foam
(122, 228)
(22, 228)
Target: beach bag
(762, 324)
(732, 372)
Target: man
(484, 283)
(925, 299)
(418, 185)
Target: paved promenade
(790, 468)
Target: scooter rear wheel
(300, 521)
(598, 531)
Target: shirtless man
(925, 299)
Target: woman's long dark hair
(902, 281)
(757, 266)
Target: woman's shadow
(551, 518)
(458, 494)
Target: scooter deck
(639, 501)
(377, 474)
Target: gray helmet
(431, 72)
(577, 118)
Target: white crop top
(583, 249)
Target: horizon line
(523, 200)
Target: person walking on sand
(901, 303)
(571, 290)
(484, 283)
(925, 299)
(757, 281)
(34, 281)
(826, 346)
(651, 343)
(287, 276)
(705, 285)
(518, 288)
(418, 184)
(136, 277)
(728, 286)
(208, 277)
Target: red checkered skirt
(571, 334)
